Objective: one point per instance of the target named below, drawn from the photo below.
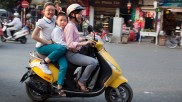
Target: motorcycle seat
(37, 55)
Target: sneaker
(173, 46)
(9, 37)
(44, 68)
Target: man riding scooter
(16, 25)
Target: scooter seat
(37, 55)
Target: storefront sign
(81, 2)
(106, 3)
(38, 2)
(170, 3)
(86, 11)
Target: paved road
(154, 72)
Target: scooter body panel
(49, 78)
(99, 45)
(20, 33)
(110, 59)
(116, 71)
(118, 81)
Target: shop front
(147, 20)
(103, 13)
(172, 15)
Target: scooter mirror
(90, 28)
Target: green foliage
(8, 4)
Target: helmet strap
(74, 16)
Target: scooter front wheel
(123, 93)
(23, 40)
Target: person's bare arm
(35, 36)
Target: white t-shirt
(58, 36)
(46, 25)
(16, 23)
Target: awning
(171, 5)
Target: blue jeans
(56, 53)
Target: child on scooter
(57, 37)
(45, 46)
(74, 41)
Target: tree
(9, 4)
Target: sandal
(61, 92)
(82, 87)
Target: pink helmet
(74, 7)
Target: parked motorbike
(18, 36)
(175, 39)
(104, 35)
(174, 42)
(107, 77)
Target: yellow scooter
(108, 78)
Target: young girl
(57, 37)
(74, 41)
(45, 46)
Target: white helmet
(28, 15)
(16, 14)
(74, 7)
(162, 32)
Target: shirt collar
(48, 20)
(72, 23)
(59, 27)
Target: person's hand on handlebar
(91, 42)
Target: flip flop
(61, 92)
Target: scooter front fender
(118, 81)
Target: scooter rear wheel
(32, 94)
(3, 39)
(125, 91)
(23, 40)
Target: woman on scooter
(74, 41)
(44, 45)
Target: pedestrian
(85, 25)
(44, 44)
(57, 37)
(58, 7)
(74, 41)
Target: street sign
(24, 4)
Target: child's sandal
(61, 92)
